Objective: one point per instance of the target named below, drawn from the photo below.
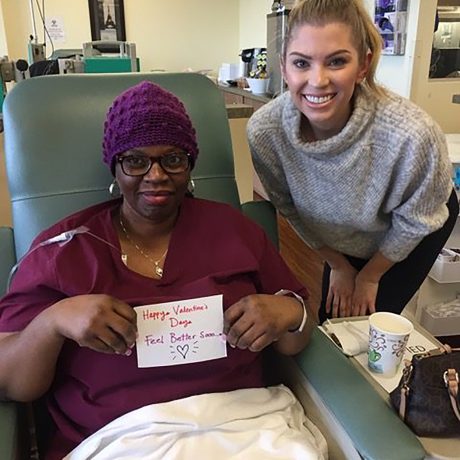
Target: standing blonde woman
(361, 174)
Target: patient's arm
(292, 343)
(28, 357)
(27, 360)
(259, 320)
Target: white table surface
(436, 448)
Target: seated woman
(81, 313)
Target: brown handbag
(427, 397)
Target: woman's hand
(99, 322)
(341, 289)
(367, 284)
(257, 320)
(364, 296)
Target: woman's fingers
(124, 310)
(330, 297)
(345, 306)
(341, 305)
(257, 320)
(364, 297)
(341, 287)
(252, 335)
(124, 330)
(235, 335)
(260, 342)
(335, 306)
(99, 322)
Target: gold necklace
(156, 263)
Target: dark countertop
(241, 92)
(239, 110)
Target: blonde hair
(364, 34)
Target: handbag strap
(451, 381)
(407, 372)
(446, 348)
(403, 402)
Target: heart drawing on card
(183, 350)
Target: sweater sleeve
(421, 186)
(267, 147)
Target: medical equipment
(126, 61)
(10, 71)
(102, 57)
(62, 239)
(35, 52)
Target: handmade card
(181, 332)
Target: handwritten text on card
(182, 332)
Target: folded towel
(353, 336)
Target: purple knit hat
(144, 115)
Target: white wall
(408, 75)
(17, 24)
(3, 47)
(395, 72)
(180, 34)
(253, 23)
(172, 35)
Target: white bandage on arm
(300, 299)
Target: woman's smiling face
(322, 68)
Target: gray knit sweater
(381, 184)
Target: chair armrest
(8, 410)
(264, 214)
(9, 423)
(8, 256)
(373, 426)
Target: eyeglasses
(139, 165)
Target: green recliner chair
(53, 133)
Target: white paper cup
(388, 336)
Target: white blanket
(249, 424)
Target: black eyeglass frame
(152, 161)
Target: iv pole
(32, 17)
(36, 51)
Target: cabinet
(234, 95)
(240, 106)
(432, 292)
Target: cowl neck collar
(362, 114)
